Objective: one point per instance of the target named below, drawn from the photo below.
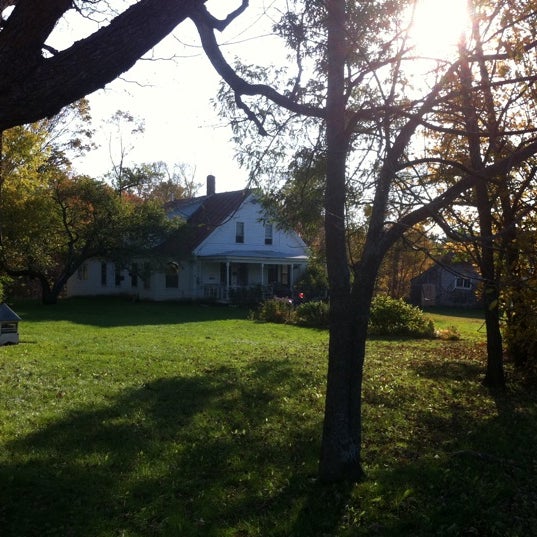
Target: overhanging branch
(206, 24)
(32, 90)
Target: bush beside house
(389, 317)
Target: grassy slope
(157, 419)
(469, 323)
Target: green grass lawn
(135, 419)
(469, 323)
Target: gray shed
(9, 326)
(446, 284)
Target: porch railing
(237, 293)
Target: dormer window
(268, 233)
(239, 232)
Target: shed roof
(7, 314)
(457, 268)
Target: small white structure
(9, 326)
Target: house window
(268, 233)
(463, 283)
(104, 273)
(9, 328)
(239, 232)
(242, 274)
(285, 275)
(134, 275)
(117, 276)
(272, 274)
(172, 276)
(83, 272)
(147, 276)
(225, 274)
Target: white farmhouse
(228, 250)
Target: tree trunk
(340, 448)
(342, 432)
(49, 295)
(341, 443)
(494, 376)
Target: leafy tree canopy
(51, 221)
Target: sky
(180, 124)
(173, 97)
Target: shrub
(394, 317)
(275, 310)
(313, 313)
(314, 282)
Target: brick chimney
(211, 185)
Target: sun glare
(438, 26)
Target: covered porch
(238, 276)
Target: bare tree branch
(221, 25)
(206, 24)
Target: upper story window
(268, 233)
(463, 283)
(239, 232)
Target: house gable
(203, 216)
(258, 236)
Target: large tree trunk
(341, 443)
(49, 294)
(494, 377)
(342, 432)
(340, 449)
(48, 297)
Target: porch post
(262, 270)
(198, 275)
(291, 277)
(227, 280)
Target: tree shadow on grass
(223, 454)
(481, 482)
(451, 370)
(468, 466)
(118, 311)
(234, 453)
